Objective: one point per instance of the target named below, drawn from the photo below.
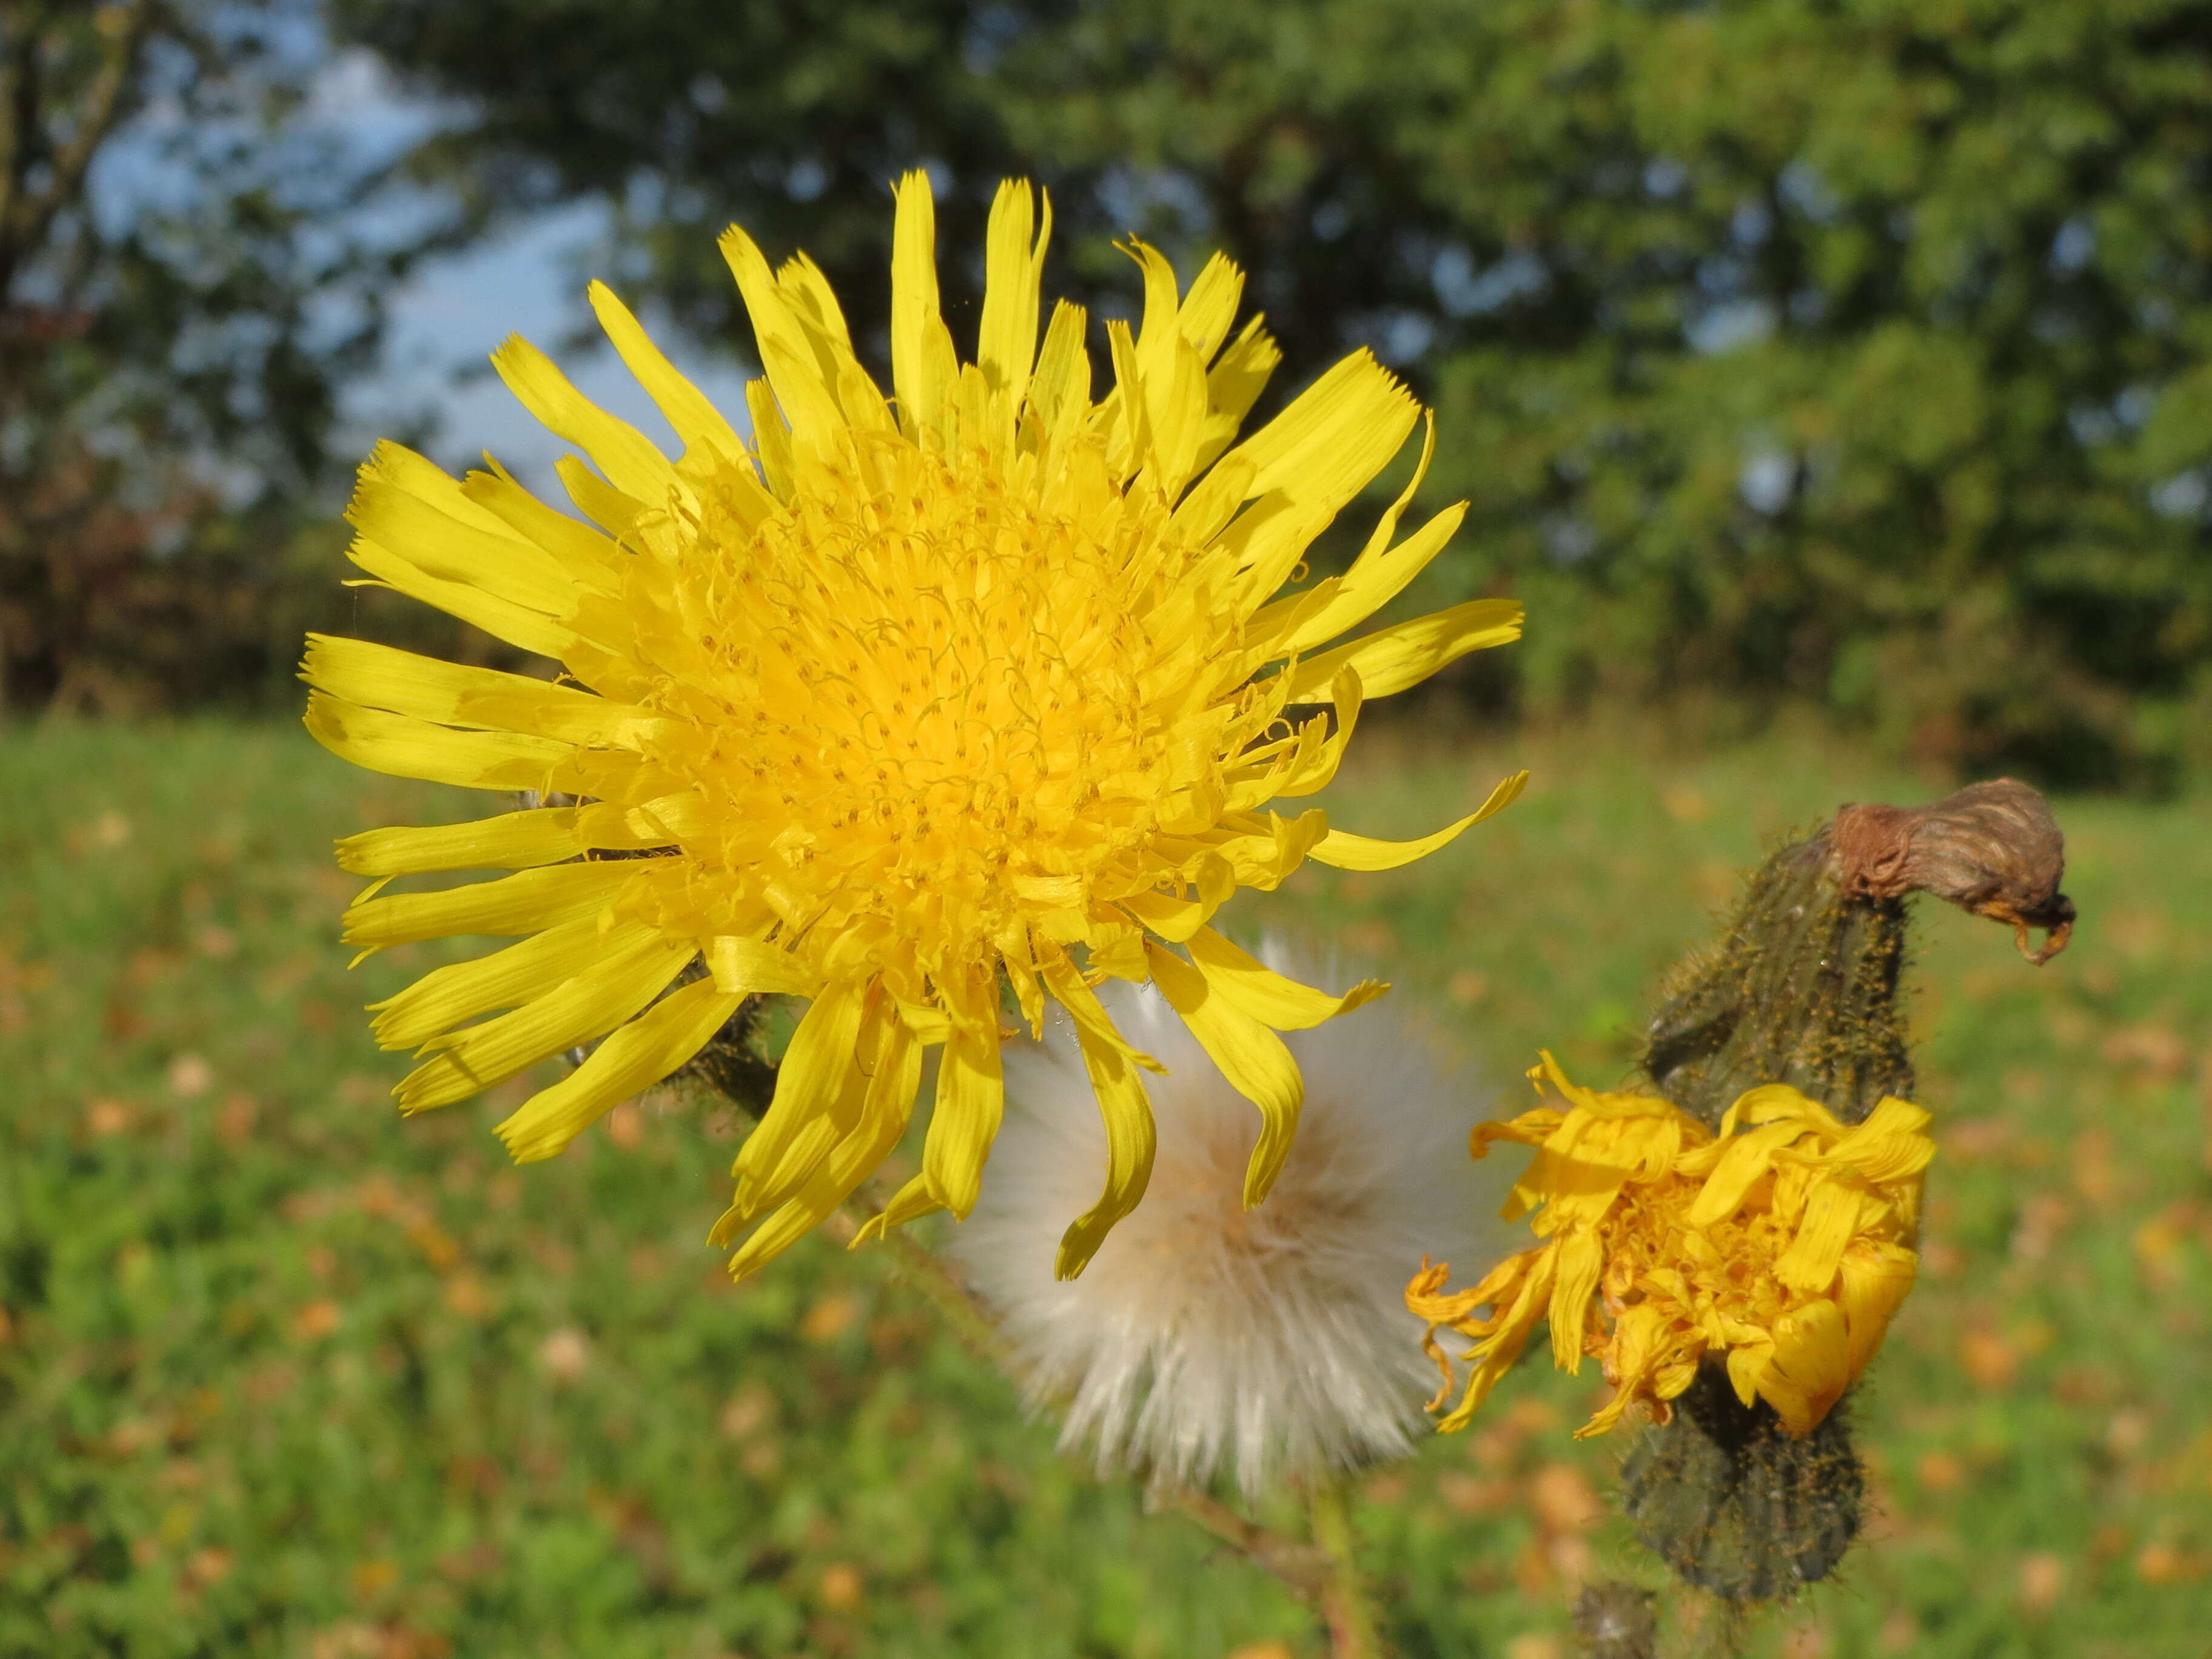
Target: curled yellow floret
(903, 705)
(1784, 1243)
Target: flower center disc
(925, 698)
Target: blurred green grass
(281, 1375)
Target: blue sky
(530, 281)
(447, 320)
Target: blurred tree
(1858, 353)
(1855, 352)
(791, 116)
(182, 293)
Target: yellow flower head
(981, 687)
(1785, 1242)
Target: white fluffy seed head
(1273, 1342)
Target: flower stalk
(933, 1279)
(1305, 1569)
(1354, 1631)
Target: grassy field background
(281, 1375)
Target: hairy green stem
(946, 1291)
(1305, 1569)
(1345, 1606)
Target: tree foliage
(682, 115)
(1860, 354)
(183, 293)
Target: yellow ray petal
(1777, 1103)
(1075, 994)
(1877, 1277)
(801, 1158)
(923, 362)
(1581, 1258)
(807, 397)
(1335, 436)
(621, 515)
(964, 1122)
(583, 553)
(752, 965)
(910, 1203)
(1174, 919)
(429, 535)
(814, 307)
(1204, 513)
(814, 303)
(1129, 433)
(1747, 1365)
(1267, 540)
(448, 996)
(1251, 1057)
(618, 775)
(496, 562)
(1313, 769)
(1890, 1145)
(1177, 416)
(1266, 858)
(1833, 1214)
(1234, 384)
(1349, 851)
(500, 617)
(1157, 332)
(1131, 1141)
(1808, 1373)
(520, 904)
(405, 747)
(889, 1103)
(418, 475)
(1112, 1066)
(1744, 1158)
(1392, 659)
(1173, 375)
(771, 438)
(1510, 1331)
(651, 1047)
(1060, 391)
(1013, 267)
(1370, 586)
(689, 410)
(1378, 539)
(618, 449)
(1637, 1351)
(456, 694)
(1376, 576)
(1257, 989)
(636, 966)
(512, 841)
(1210, 307)
(807, 1083)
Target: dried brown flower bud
(1992, 848)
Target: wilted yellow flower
(1785, 1242)
(985, 685)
